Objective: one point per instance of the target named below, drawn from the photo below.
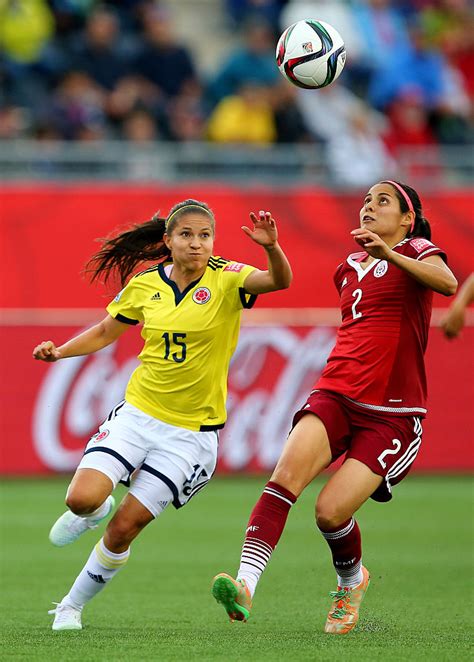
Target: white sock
(102, 565)
(352, 577)
(101, 512)
(251, 579)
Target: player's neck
(184, 277)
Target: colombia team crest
(201, 295)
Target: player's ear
(166, 240)
(409, 219)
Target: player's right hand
(46, 351)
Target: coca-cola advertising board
(49, 411)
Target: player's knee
(81, 503)
(329, 516)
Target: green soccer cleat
(233, 595)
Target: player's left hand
(264, 231)
(372, 243)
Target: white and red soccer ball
(310, 54)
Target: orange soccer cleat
(234, 596)
(344, 613)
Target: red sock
(265, 526)
(346, 548)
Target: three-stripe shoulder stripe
(147, 271)
(217, 263)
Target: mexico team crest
(381, 269)
(201, 295)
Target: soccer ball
(310, 54)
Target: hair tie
(406, 198)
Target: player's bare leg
(341, 497)
(305, 455)
(89, 501)
(109, 555)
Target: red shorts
(386, 444)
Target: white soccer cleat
(69, 527)
(66, 617)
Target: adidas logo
(97, 578)
(156, 297)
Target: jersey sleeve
(338, 276)
(125, 306)
(233, 278)
(419, 248)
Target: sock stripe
(254, 555)
(258, 545)
(110, 562)
(335, 535)
(269, 490)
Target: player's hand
(264, 231)
(372, 243)
(453, 323)
(46, 351)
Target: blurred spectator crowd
(87, 71)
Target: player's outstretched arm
(98, 336)
(453, 322)
(278, 276)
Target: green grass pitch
(418, 607)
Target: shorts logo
(201, 295)
(381, 269)
(234, 266)
(100, 436)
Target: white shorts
(169, 464)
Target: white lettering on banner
(260, 420)
(272, 372)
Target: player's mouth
(367, 218)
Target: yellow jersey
(189, 336)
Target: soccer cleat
(233, 595)
(344, 613)
(66, 617)
(69, 527)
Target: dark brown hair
(421, 227)
(143, 242)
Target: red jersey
(378, 359)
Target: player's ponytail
(121, 254)
(421, 226)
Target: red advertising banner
(47, 235)
(49, 411)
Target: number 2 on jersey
(357, 294)
(175, 341)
